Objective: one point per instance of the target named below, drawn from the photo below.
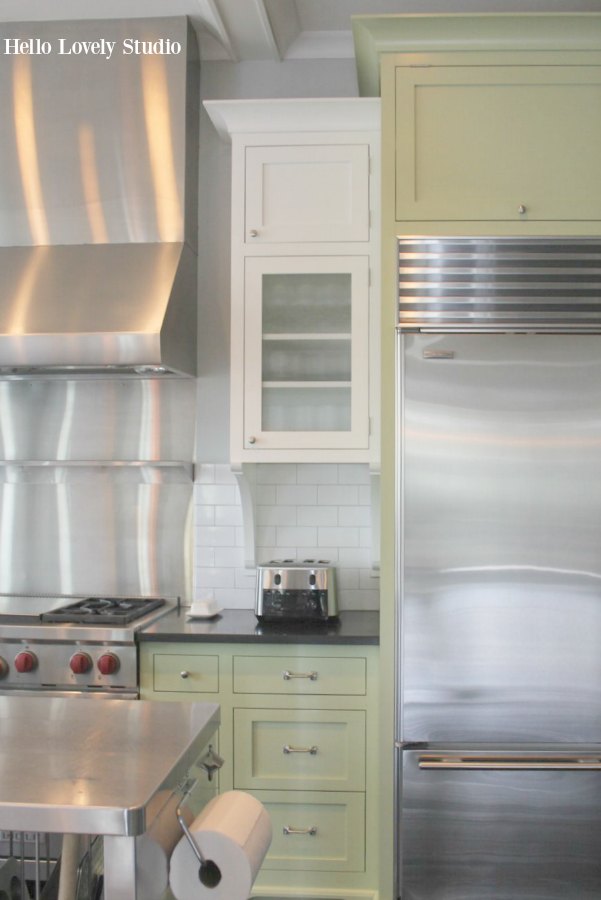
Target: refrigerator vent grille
(499, 284)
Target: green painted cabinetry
(299, 730)
(503, 139)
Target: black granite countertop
(241, 626)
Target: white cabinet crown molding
(297, 115)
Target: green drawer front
(299, 675)
(305, 750)
(322, 832)
(185, 674)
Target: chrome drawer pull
(312, 676)
(184, 674)
(584, 763)
(288, 749)
(288, 829)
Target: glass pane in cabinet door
(307, 302)
(307, 409)
(306, 360)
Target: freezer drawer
(500, 825)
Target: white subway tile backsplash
(355, 556)
(317, 473)
(359, 516)
(228, 515)
(353, 474)
(302, 511)
(265, 535)
(216, 536)
(365, 495)
(338, 495)
(205, 514)
(297, 495)
(339, 537)
(276, 473)
(214, 577)
(277, 515)
(265, 495)
(229, 557)
(297, 536)
(223, 494)
(348, 579)
(317, 515)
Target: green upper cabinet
(516, 143)
(491, 123)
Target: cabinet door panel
(186, 673)
(307, 193)
(306, 351)
(514, 143)
(299, 675)
(324, 831)
(305, 750)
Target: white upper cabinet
(304, 279)
(306, 193)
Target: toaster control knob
(80, 663)
(108, 664)
(3, 667)
(26, 661)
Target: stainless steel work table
(92, 766)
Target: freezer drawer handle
(312, 676)
(288, 829)
(288, 749)
(571, 763)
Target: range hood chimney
(98, 197)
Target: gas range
(74, 645)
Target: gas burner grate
(103, 610)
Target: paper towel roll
(155, 846)
(233, 832)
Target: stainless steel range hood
(98, 197)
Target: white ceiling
(272, 29)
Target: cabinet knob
(184, 674)
(252, 439)
(522, 209)
(253, 232)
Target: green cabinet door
(513, 143)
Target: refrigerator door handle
(509, 761)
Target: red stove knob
(3, 667)
(80, 663)
(108, 664)
(26, 661)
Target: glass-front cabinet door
(306, 352)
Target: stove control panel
(31, 665)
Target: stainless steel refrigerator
(499, 570)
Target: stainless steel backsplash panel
(97, 419)
(96, 487)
